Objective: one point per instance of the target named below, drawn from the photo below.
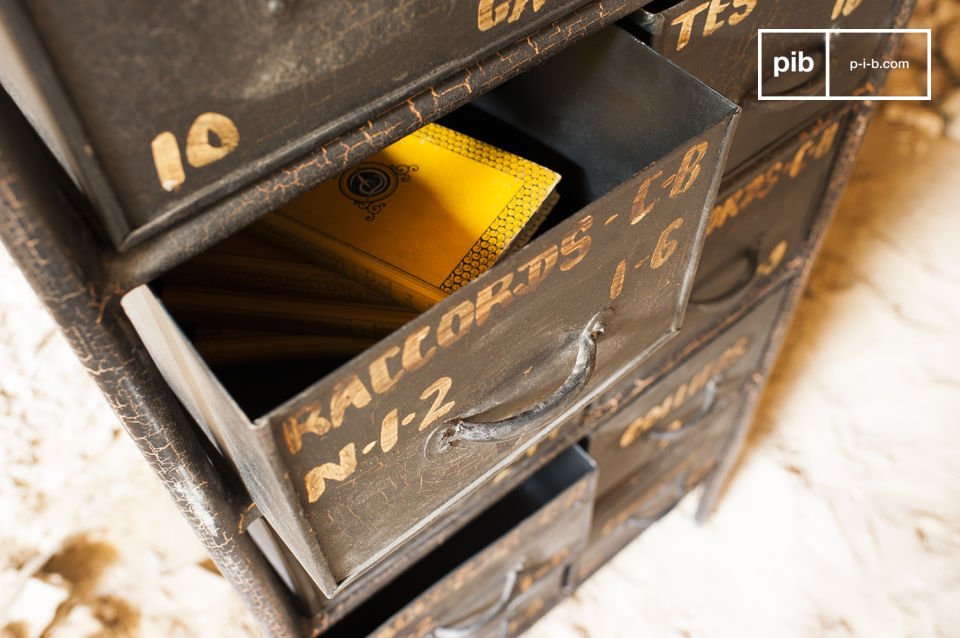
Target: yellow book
(419, 219)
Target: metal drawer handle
(482, 619)
(710, 402)
(464, 430)
(814, 85)
(676, 490)
(736, 290)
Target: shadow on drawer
(639, 423)
(381, 452)
(497, 575)
(763, 216)
(627, 511)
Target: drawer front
(189, 101)
(641, 423)
(378, 454)
(717, 40)
(761, 220)
(626, 512)
(506, 585)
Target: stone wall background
(842, 520)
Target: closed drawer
(762, 219)
(158, 110)
(499, 574)
(716, 40)
(640, 423)
(624, 513)
(381, 452)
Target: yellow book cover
(420, 218)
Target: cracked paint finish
(191, 237)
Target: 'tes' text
(718, 13)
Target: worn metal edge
(155, 256)
(58, 257)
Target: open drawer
(642, 423)
(717, 40)
(358, 459)
(497, 575)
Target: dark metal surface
(628, 510)
(152, 257)
(498, 574)
(717, 41)
(762, 217)
(58, 258)
(226, 92)
(637, 423)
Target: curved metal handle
(708, 407)
(465, 430)
(814, 85)
(482, 619)
(734, 292)
(676, 490)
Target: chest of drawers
(437, 476)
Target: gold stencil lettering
(446, 333)
(746, 5)
(315, 480)
(413, 357)
(388, 430)
(441, 387)
(665, 246)
(166, 159)
(497, 293)
(537, 269)
(380, 379)
(713, 16)
(489, 16)
(686, 21)
(307, 420)
(347, 393)
(200, 151)
(640, 206)
(689, 169)
(571, 245)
